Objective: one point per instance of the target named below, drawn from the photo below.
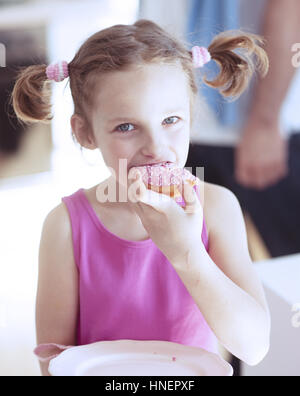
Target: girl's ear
(82, 132)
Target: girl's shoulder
(57, 227)
(59, 217)
(216, 199)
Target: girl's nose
(155, 144)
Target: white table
(281, 280)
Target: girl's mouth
(164, 164)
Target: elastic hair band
(201, 56)
(58, 71)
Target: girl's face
(142, 116)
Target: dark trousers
(275, 211)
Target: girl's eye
(124, 127)
(171, 118)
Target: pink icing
(165, 176)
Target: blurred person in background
(254, 148)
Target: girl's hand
(174, 230)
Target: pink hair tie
(58, 71)
(201, 56)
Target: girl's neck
(119, 217)
(119, 198)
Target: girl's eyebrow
(121, 119)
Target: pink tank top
(128, 289)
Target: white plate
(138, 358)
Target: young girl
(145, 269)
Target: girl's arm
(57, 295)
(224, 283)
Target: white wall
(170, 14)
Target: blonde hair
(121, 46)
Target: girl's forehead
(149, 73)
(151, 81)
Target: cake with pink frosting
(168, 179)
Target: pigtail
(233, 51)
(31, 95)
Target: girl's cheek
(121, 148)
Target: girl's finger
(138, 195)
(154, 199)
(193, 204)
(147, 198)
(138, 210)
